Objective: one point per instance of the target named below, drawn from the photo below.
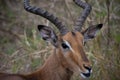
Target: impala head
(71, 42)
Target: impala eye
(64, 45)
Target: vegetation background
(22, 50)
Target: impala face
(72, 49)
(70, 43)
(71, 46)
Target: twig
(108, 19)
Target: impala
(69, 56)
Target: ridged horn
(41, 12)
(80, 21)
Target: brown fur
(51, 70)
(59, 65)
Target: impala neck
(53, 69)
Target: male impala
(69, 56)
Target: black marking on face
(73, 33)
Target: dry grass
(22, 50)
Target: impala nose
(87, 73)
(88, 68)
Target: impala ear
(48, 34)
(91, 32)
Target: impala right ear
(48, 34)
(91, 31)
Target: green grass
(32, 51)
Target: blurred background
(22, 50)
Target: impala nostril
(88, 68)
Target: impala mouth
(85, 75)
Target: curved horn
(87, 8)
(39, 11)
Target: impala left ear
(91, 31)
(48, 34)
